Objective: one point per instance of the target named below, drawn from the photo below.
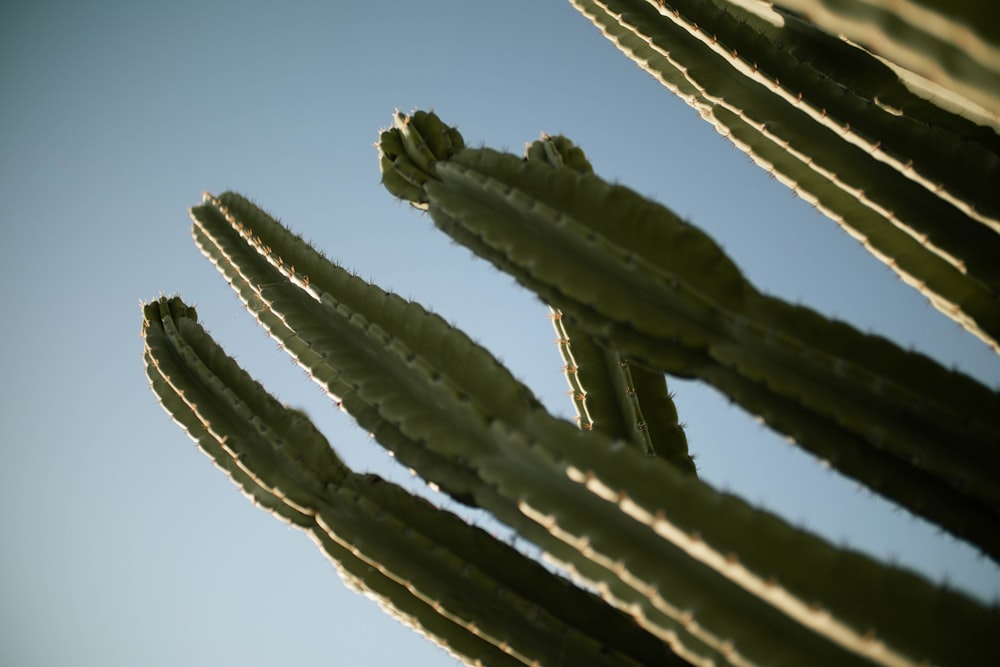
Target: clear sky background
(121, 544)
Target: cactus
(681, 572)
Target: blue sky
(122, 544)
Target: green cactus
(916, 187)
(682, 573)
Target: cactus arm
(391, 596)
(883, 613)
(955, 45)
(726, 81)
(947, 289)
(620, 399)
(365, 516)
(499, 197)
(182, 398)
(958, 171)
(361, 379)
(876, 221)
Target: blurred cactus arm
(956, 45)
(859, 161)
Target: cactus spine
(683, 573)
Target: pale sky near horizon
(122, 544)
